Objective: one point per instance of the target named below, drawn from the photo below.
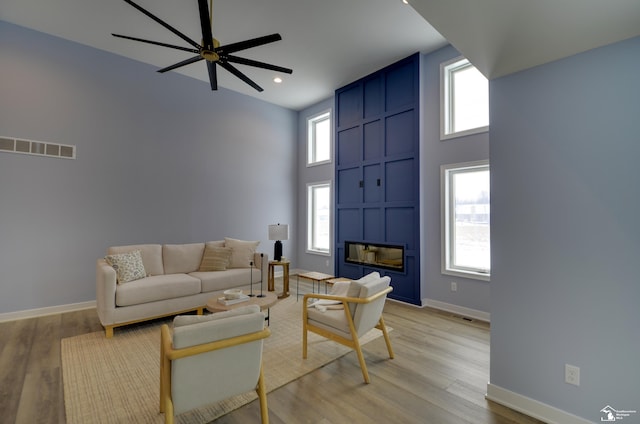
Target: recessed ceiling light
(405, 1)
(277, 80)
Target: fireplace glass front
(376, 255)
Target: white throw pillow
(242, 252)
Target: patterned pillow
(215, 258)
(128, 266)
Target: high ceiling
(333, 42)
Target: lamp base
(277, 250)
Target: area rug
(117, 380)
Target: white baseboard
(531, 407)
(456, 309)
(50, 310)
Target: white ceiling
(504, 36)
(330, 43)
(327, 43)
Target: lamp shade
(279, 232)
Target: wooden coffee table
(265, 302)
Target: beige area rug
(117, 380)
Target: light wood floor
(439, 375)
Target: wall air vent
(37, 148)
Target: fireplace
(377, 255)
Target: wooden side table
(314, 277)
(285, 278)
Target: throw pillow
(241, 252)
(215, 258)
(128, 266)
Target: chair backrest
(213, 376)
(367, 315)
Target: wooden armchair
(361, 311)
(210, 358)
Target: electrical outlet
(571, 374)
(454, 286)
(327, 263)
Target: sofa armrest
(105, 291)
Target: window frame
(312, 121)
(310, 248)
(446, 103)
(446, 213)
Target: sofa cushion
(215, 243)
(355, 287)
(159, 287)
(182, 258)
(128, 266)
(241, 252)
(151, 256)
(235, 277)
(332, 320)
(182, 320)
(367, 315)
(215, 258)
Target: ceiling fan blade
(179, 64)
(157, 43)
(164, 24)
(247, 44)
(249, 62)
(213, 78)
(205, 24)
(229, 67)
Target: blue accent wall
(377, 163)
(565, 234)
(160, 159)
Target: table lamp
(278, 232)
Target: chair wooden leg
(304, 338)
(108, 331)
(387, 340)
(262, 395)
(363, 365)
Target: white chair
(210, 358)
(346, 317)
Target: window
(319, 139)
(318, 217)
(466, 220)
(464, 99)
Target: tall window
(466, 220)
(464, 99)
(319, 139)
(318, 217)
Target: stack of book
(223, 300)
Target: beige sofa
(141, 282)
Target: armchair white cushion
(210, 358)
(361, 312)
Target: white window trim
(308, 249)
(310, 121)
(445, 229)
(445, 101)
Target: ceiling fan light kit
(210, 50)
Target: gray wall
(312, 174)
(472, 294)
(160, 159)
(564, 232)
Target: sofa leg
(108, 330)
(200, 311)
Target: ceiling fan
(210, 50)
